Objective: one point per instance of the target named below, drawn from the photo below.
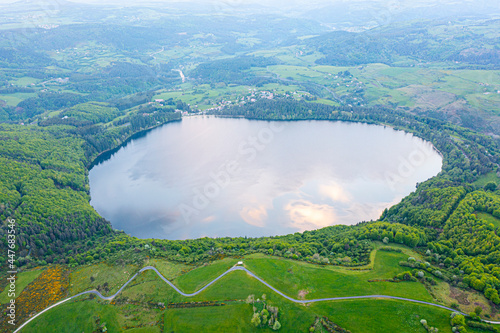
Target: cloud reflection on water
(305, 215)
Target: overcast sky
(266, 2)
(491, 7)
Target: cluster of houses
(253, 96)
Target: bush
(478, 310)
(405, 276)
(430, 280)
(491, 186)
(390, 249)
(256, 319)
(457, 319)
(448, 261)
(482, 326)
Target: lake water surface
(216, 177)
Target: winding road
(183, 77)
(232, 269)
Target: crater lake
(217, 177)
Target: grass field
(199, 277)
(229, 318)
(296, 278)
(374, 316)
(149, 285)
(488, 178)
(397, 85)
(90, 277)
(169, 269)
(14, 99)
(370, 316)
(25, 81)
(488, 218)
(297, 72)
(78, 316)
(235, 317)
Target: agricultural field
(14, 99)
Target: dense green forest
(44, 178)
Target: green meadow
(294, 278)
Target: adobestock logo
(219, 179)
(408, 166)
